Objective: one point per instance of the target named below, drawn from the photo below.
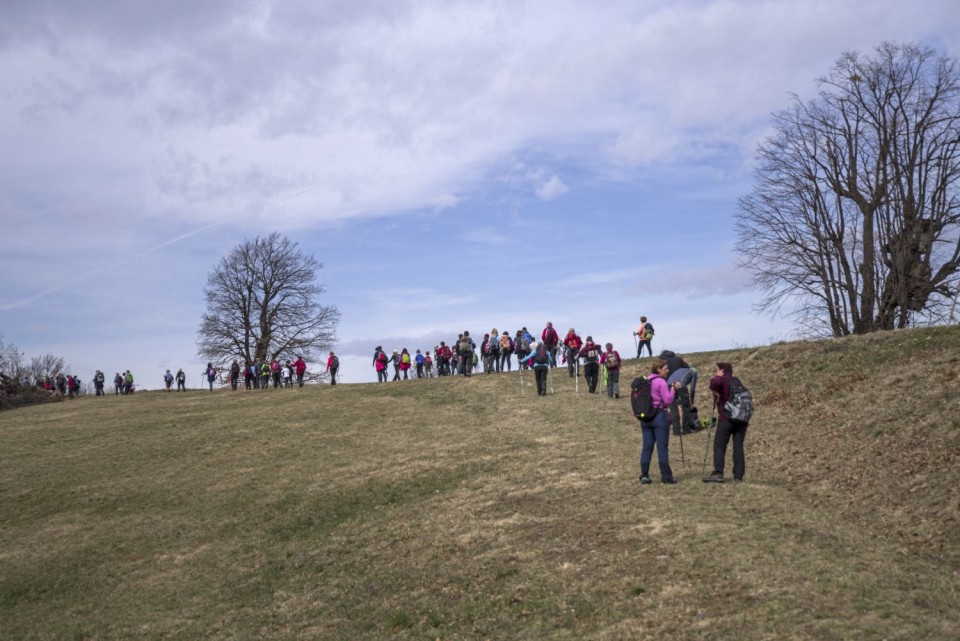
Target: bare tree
(262, 301)
(855, 215)
(46, 365)
(12, 360)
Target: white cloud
(259, 110)
(552, 189)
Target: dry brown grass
(454, 509)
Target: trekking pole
(550, 381)
(576, 372)
(680, 434)
(636, 344)
(713, 423)
(521, 382)
(604, 378)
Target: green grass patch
(455, 509)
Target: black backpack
(739, 407)
(641, 399)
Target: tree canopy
(263, 301)
(854, 218)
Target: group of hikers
(69, 384)
(262, 372)
(672, 383)
(496, 352)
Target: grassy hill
(455, 509)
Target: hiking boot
(672, 481)
(716, 477)
(616, 396)
(645, 480)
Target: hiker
(610, 359)
(70, 385)
(493, 346)
(275, 372)
(521, 346)
(428, 365)
(539, 360)
(300, 367)
(644, 335)
(98, 381)
(234, 375)
(442, 356)
(288, 374)
(181, 381)
(247, 376)
(128, 382)
(333, 364)
(380, 364)
(590, 353)
(720, 385)
(549, 339)
(419, 360)
(487, 357)
(168, 381)
(657, 431)
(466, 346)
(573, 343)
(684, 415)
(395, 360)
(506, 351)
(117, 384)
(264, 374)
(211, 375)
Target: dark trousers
(419, 370)
(540, 373)
(466, 363)
(656, 432)
(573, 360)
(613, 382)
(591, 372)
(640, 345)
(505, 360)
(682, 411)
(726, 430)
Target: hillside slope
(459, 509)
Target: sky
(454, 165)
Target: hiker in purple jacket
(657, 431)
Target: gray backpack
(739, 408)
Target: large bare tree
(263, 301)
(854, 219)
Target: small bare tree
(855, 213)
(262, 301)
(46, 365)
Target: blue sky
(455, 165)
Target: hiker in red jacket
(300, 367)
(333, 364)
(590, 353)
(611, 360)
(550, 340)
(573, 343)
